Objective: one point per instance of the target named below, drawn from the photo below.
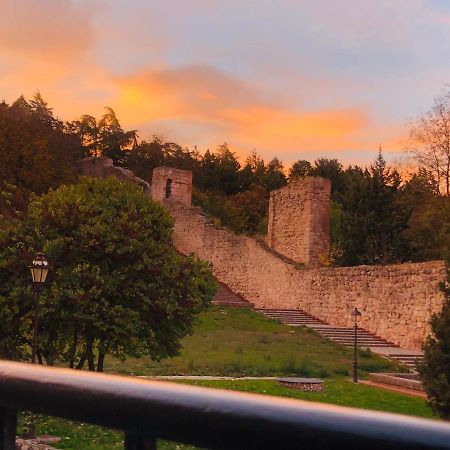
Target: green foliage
(435, 369)
(36, 152)
(117, 287)
(105, 137)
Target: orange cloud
(232, 110)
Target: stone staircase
(226, 297)
(345, 336)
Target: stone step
(227, 298)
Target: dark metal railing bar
(8, 426)
(209, 418)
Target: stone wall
(396, 301)
(299, 216)
(175, 184)
(103, 167)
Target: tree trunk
(100, 361)
(73, 350)
(90, 355)
(80, 364)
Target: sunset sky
(297, 79)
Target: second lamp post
(355, 315)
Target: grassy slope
(241, 342)
(236, 341)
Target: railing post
(8, 425)
(135, 442)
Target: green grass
(240, 342)
(338, 391)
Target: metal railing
(211, 418)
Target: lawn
(240, 342)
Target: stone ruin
(396, 301)
(172, 184)
(299, 220)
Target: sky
(296, 79)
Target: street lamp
(355, 315)
(39, 271)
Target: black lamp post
(355, 314)
(39, 271)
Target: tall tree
(118, 286)
(113, 141)
(35, 150)
(430, 140)
(274, 177)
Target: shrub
(435, 369)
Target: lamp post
(39, 271)
(355, 315)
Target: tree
(331, 169)
(118, 286)
(300, 168)
(36, 153)
(113, 141)
(253, 171)
(274, 178)
(430, 140)
(371, 222)
(435, 369)
(252, 206)
(86, 130)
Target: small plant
(305, 368)
(365, 352)
(191, 365)
(264, 339)
(341, 371)
(289, 365)
(239, 350)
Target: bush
(435, 369)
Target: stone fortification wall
(299, 217)
(175, 184)
(396, 301)
(103, 167)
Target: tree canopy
(117, 285)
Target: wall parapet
(396, 301)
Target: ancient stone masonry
(396, 301)
(103, 167)
(172, 184)
(299, 216)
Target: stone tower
(172, 184)
(299, 220)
